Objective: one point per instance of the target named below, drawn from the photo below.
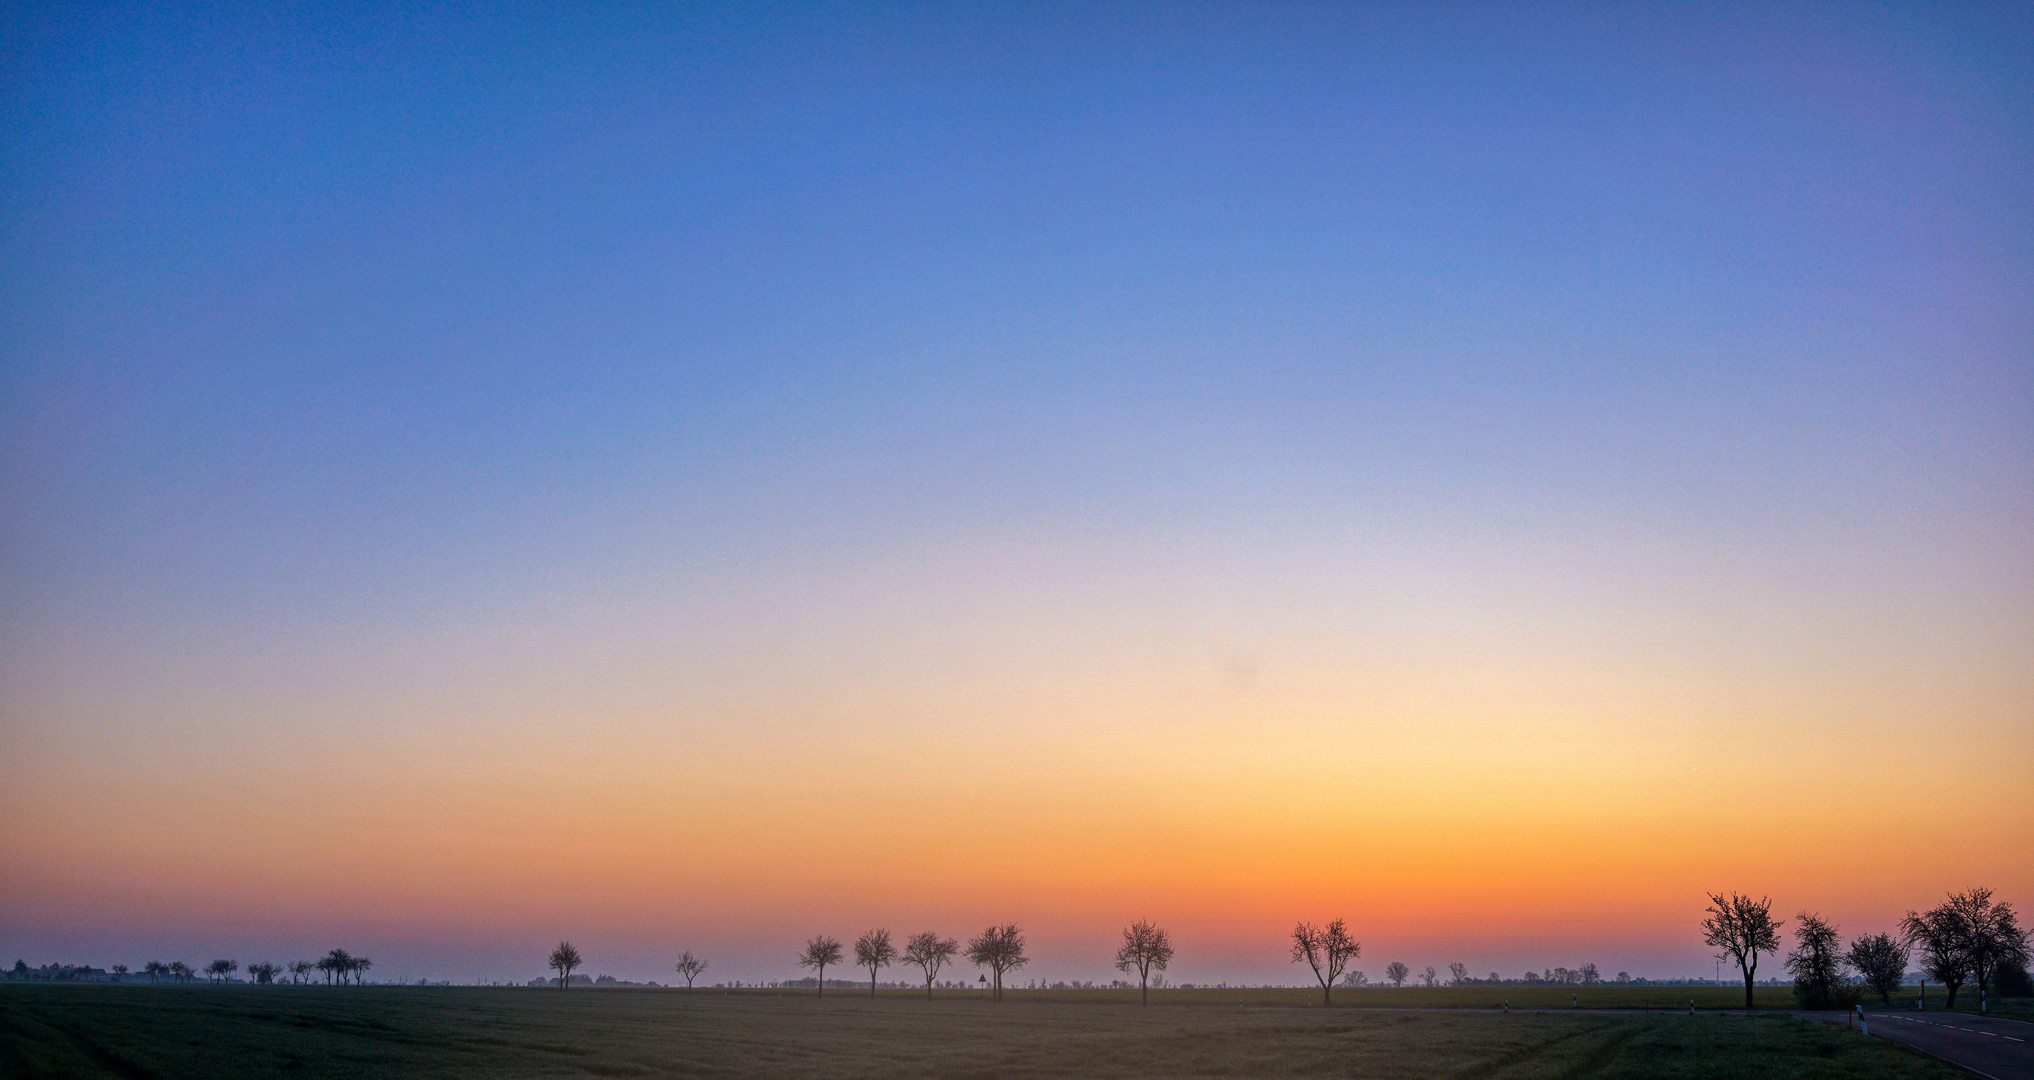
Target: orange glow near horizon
(1499, 812)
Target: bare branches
(1000, 949)
(1327, 951)
(820, 953)
(1882, 960)
(690, 966)
(873, 951)
(563, 959)
(1744, 928)
(1146, 948)
(1967, 938)
(930, 952)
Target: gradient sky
(677, 476)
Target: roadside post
(1862, 1025)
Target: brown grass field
(235, 1031)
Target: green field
(198, 1031)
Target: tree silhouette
(931, 952)
(336, 965)
(1882, 960)
(1993, 938)
(263, 973)
(1327, 951)
(873, 950)
(154, 969)
(690, 966)
(1397, 973)
(1744, 928)
(1146, 948)
(820, 953)
(1815, 962)
(120, 970)
(358, 967)
(1000, 949)
(563, 959)
(217, 970)
(180, 971)
(301, 970)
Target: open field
(194, 1031)
(1641, 998)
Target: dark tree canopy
(563, 959)
(1744, 928)
(1817, 962)
(1967, 938)
(1882, 960)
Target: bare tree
(301, 970)
(1327, 951)
(1353, 979)
(1993, 939)
(180, 971)
(357, 967)
(1397, 973)
(1816, 962)
(1882, 960)
(336, 964)
(1744, 928)
(874, 951)
(1000, 949)
(563, 959)
(931, 952)
(263, 973)
(1940, 935)
(155, 969)
(820, 953)
(690, 966)
(120, 970)
(1458, 974)
(217, 970)
(1146, 948)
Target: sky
(702, 476)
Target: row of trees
(337, 966)
(1966, 939)
(998, 949)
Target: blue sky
(335, 326)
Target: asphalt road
(1985, 1045)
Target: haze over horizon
(703, 478)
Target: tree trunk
(1747, 988)
(822, 980)
(872, 984)
(1144, 989)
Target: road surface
(1986, 1045)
